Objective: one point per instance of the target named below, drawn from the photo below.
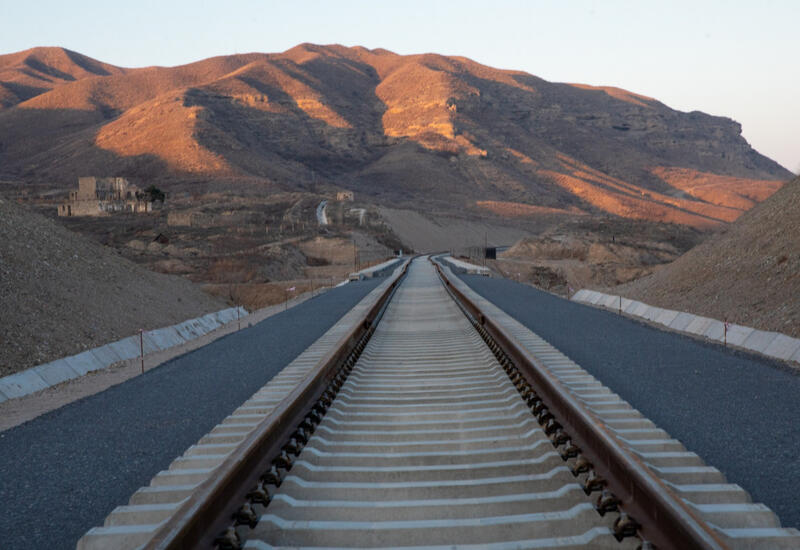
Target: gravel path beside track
(63, 472)
(740, 413)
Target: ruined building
(103, 196)
(345, 196)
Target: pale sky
(737, 59)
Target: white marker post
(141, 347)
(288, 290)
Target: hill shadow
(58, 145)
(282, 137)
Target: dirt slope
(749, 272)
(61, 293)
(593, 252)
(436, 234)
(395, 128)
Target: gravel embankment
(62, 293)
(63, 472)
(739, 412)
(746, 273)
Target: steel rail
(208, 511)
(665, 520)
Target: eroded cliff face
(427, 131)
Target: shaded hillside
(749, 272)
(398, 129)
(61, 293)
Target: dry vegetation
(259, 295)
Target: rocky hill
(749, 272)
(62, 293)
(427, 132)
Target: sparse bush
(313, 261)
(153, 194)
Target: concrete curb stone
(631, 307)
(185, 331)
(783, 347)
(150, 345)
(173, 336)
(22, 383)
(55, 372)
(737, 334)
(160, 339)
(83, 362)
(595, 298)
(759, 340)
(773, 344)
(681, 321)
(667, 316)
(208, 323)
(608, 301)
(715, 330)
(49, 374)
(127, 347)
(652, 313)
(699, 325)
(581, 295)
(106, 355)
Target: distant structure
(345, 196)
(104, 196)
(161, 239)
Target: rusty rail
(665, 520)
(208, 511)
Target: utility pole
(485, 247)
(355, 256)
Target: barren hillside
(26, 74)
(425, 132)
(590, 251)
(61, 293)
(749, 272)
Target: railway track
(436, 421)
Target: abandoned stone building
(103, 196)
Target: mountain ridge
(395, 128)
